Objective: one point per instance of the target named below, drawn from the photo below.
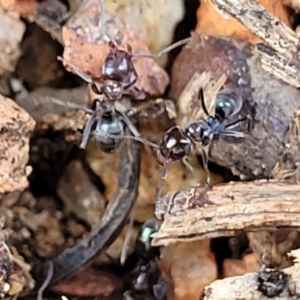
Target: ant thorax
(174, 146)
(113, 90)
(204, 130)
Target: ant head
(113, 90)
(174, 146)
(118, 65)
(197, 132)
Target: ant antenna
(205, 165)
(87, 130)
(67, 104)
(102, 24)
(158, 201)
(166, 50)
(136, 138)
(79, 72)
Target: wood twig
(283, 58)
(230, 208)
(245, 287)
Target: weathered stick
(245, 287)
(285, 64)
(265, 25)
(230, 208)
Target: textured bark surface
(251, 206)
(245, 287)
(272, 100)
(282, 58)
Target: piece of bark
(86, 47)
(266, 99)
(16, 128)
(251, 206)
(211, 22)
(11, 34)
(282, 58)
(245, 287)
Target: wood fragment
(251, 206)
(285, 64)
(265, 25)
(245, 287)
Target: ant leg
(201, 98)
(103, 29)
(166, 50)
(204, 156)
(79, 72)
(87, 130)
(129, 124)
(132, 83)
(136, 138)
(136, 76)
(68, 104)
(236, 122)
(95, 89)
(159, 210)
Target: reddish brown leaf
(86, 48)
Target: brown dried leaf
(191, 266)
(16, 126)
(86, 48)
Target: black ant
(178, 142)
(117, 79)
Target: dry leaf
(86, 48)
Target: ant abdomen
(106, 128)
(227, 104)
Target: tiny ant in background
(178, 143)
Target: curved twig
(112, 222)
